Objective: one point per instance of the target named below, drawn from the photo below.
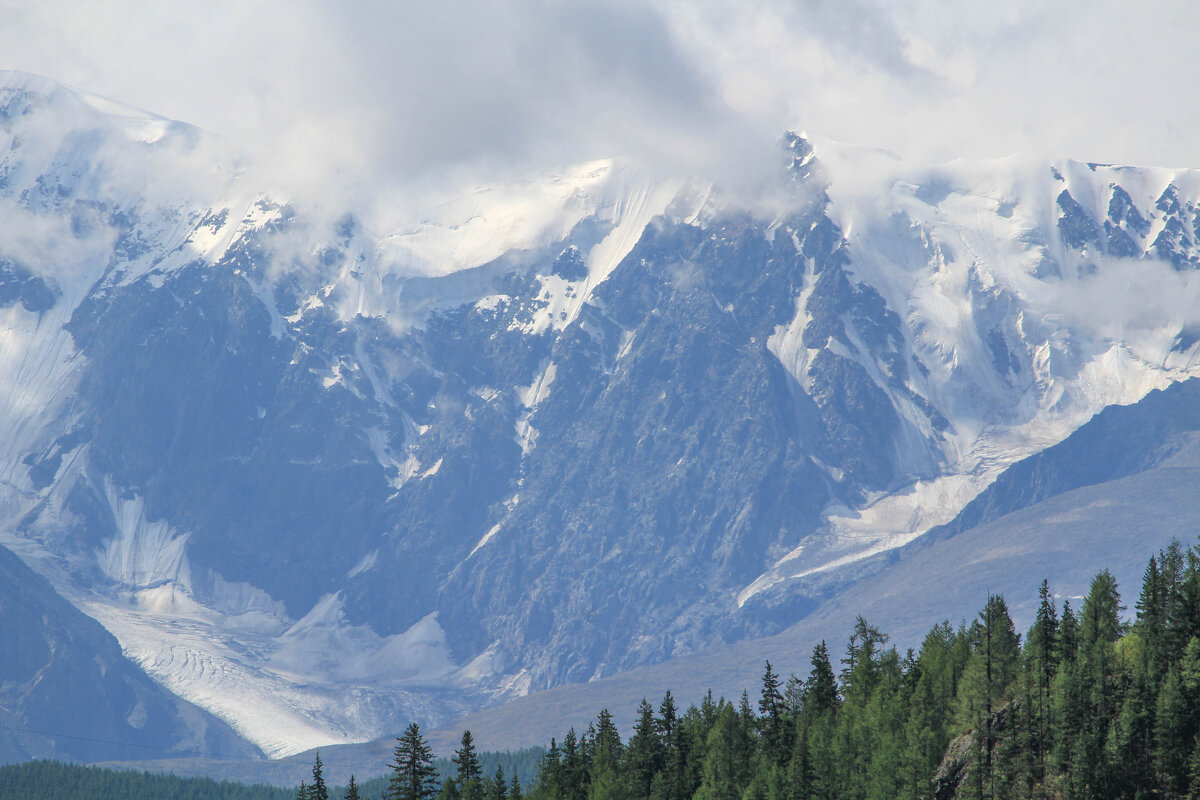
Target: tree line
(416, 774)
(54, 780)
(1085, 706)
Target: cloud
(372, 93)
(934, 81)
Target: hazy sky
(403, 89)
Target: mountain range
(320, 475)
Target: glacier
(321, 477)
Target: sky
(371, 91)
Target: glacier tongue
(323, 476)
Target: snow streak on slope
(1026, 297)
(1022, 334)
(489, 228)
(115, 191)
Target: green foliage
(52, 780)
(467, 761)
(318, 790)
(413, 774)
(1088, 707)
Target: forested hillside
(54, 780)
(1084, 706)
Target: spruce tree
(1068, 634)
(413, 774)
(549, 777)
(984, 687)
(449, 790)
(498, 786)
(318, 790)
(573, 775)
(793, 695)
(820, 691)
(644, 753)
(1100, 620)
(607, 748)
(466, 759)
(1092, 696)
(1176, 575)
(351, 789)
(681, 767)
(468, 779)
(709, 709)
(1151, 622)
(587, 747)
(667, 718)
(1041, 657)
(771, 719)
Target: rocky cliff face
(321, 479)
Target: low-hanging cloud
(372, 93)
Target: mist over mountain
(321, 478)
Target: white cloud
(376, 93)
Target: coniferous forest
(1083, 706)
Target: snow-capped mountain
(321, 478)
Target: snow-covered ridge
(1033, 295)
(95, 195)
(1028, 295)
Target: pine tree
(351, 789)
(303, 793)
(514, 788)
(413, 774)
